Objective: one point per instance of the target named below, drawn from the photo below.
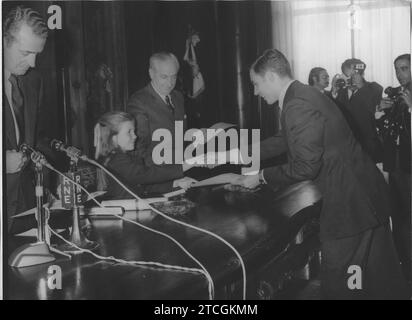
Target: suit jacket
(140, 178)
(20, 185)
(321, 147)
(395, 132)
(360, 112)
(152, 113)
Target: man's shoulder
(298, 89)
(306, 97)
(302, 93)
(142, 93)
(140, 98)
(375, 85)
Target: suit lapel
(158, 101)
(11, 142)
(30, 111)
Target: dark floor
(300, 289)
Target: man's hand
(248, 182)
(385, 103)
(407, 98)
(357, 80)
(184, 183)
(14, 161)
(335, 89)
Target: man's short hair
(163, 56)
(314, 73)
(348, 63)
(406, 56)
(272, 60)
(19, 16)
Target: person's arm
(377, 96)
(272, 147)
(183, 183)
(152, 179)
(15, 160)
(133, 170)
(304, 131)
(269, 148)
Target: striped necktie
(169, 104)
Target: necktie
(18, 104)
(169, 104)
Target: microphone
(71, 152)
(34, 155)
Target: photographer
(359, 98)
(394, 124)
(319, 79)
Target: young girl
(114, 139)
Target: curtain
(318, 34)
(384, 34)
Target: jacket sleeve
(304, 129)
(272, 146)
(133, 171)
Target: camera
(359, 67)
(340, 83)
(394, 93)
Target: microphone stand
(77, 237)
(35, 253)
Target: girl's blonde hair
(107, 126)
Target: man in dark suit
(359, 100)
(24, 36)
(395, 130)
(159, 106)
(354, 229)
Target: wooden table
(274, 232)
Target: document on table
(225, 178)
(222, 125)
